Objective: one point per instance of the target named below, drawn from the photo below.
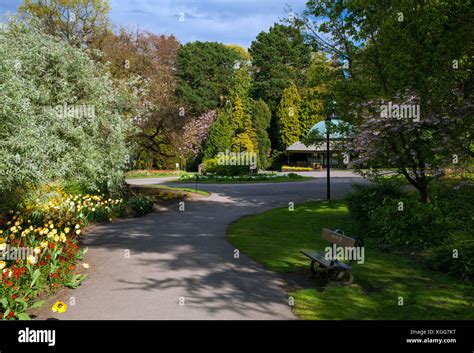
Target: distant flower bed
(39, 248)
(153, 173)
(296, 169)
(165, 196)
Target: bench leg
(313, 270)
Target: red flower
(13, 296)
(11, 314)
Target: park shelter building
(314, 155)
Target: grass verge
(278, 179)
(275, 238)
(179, 189)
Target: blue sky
(226, 21)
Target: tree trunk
(423, 190)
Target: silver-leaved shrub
(61, 117)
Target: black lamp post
(328, 152)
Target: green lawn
(143, 174)
(172, 188)
(275, 238)
(278, 179)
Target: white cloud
(227, 21)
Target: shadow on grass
(386, 286)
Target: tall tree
(220, 135)
(205, 72)
(319, 91)
(261, 120)
(417, 55)
(151, 57)
(287, 122)
(80, 22)
(279, 57)
(245, 138)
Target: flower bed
(286, 168)
(153, 173)
(40, 248)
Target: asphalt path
(174, 265)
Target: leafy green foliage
(319, 92)
(434, 230)
(220, 135)
(212, 166)
(406, 222)
(280, 57)
(141, 205)
(415, 55)
(261, 121)
(367, 197)
(287, 115)
(205, 72)
(80, 22)
(244, 133)
(60, 115)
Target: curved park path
(180, 265)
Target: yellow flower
(13, 229)
(2, 240)
(78, 231)
(3, 246)
(62, 238)
(3, 264)
(56, 238)
(31, 259)
(86, 265)
(66, 230)
(44, 244)
(8, 271)
(59, 307)
(37, 250)
(1, 231)
(78, 226)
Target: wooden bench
(333, 267)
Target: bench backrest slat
(338, 239)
